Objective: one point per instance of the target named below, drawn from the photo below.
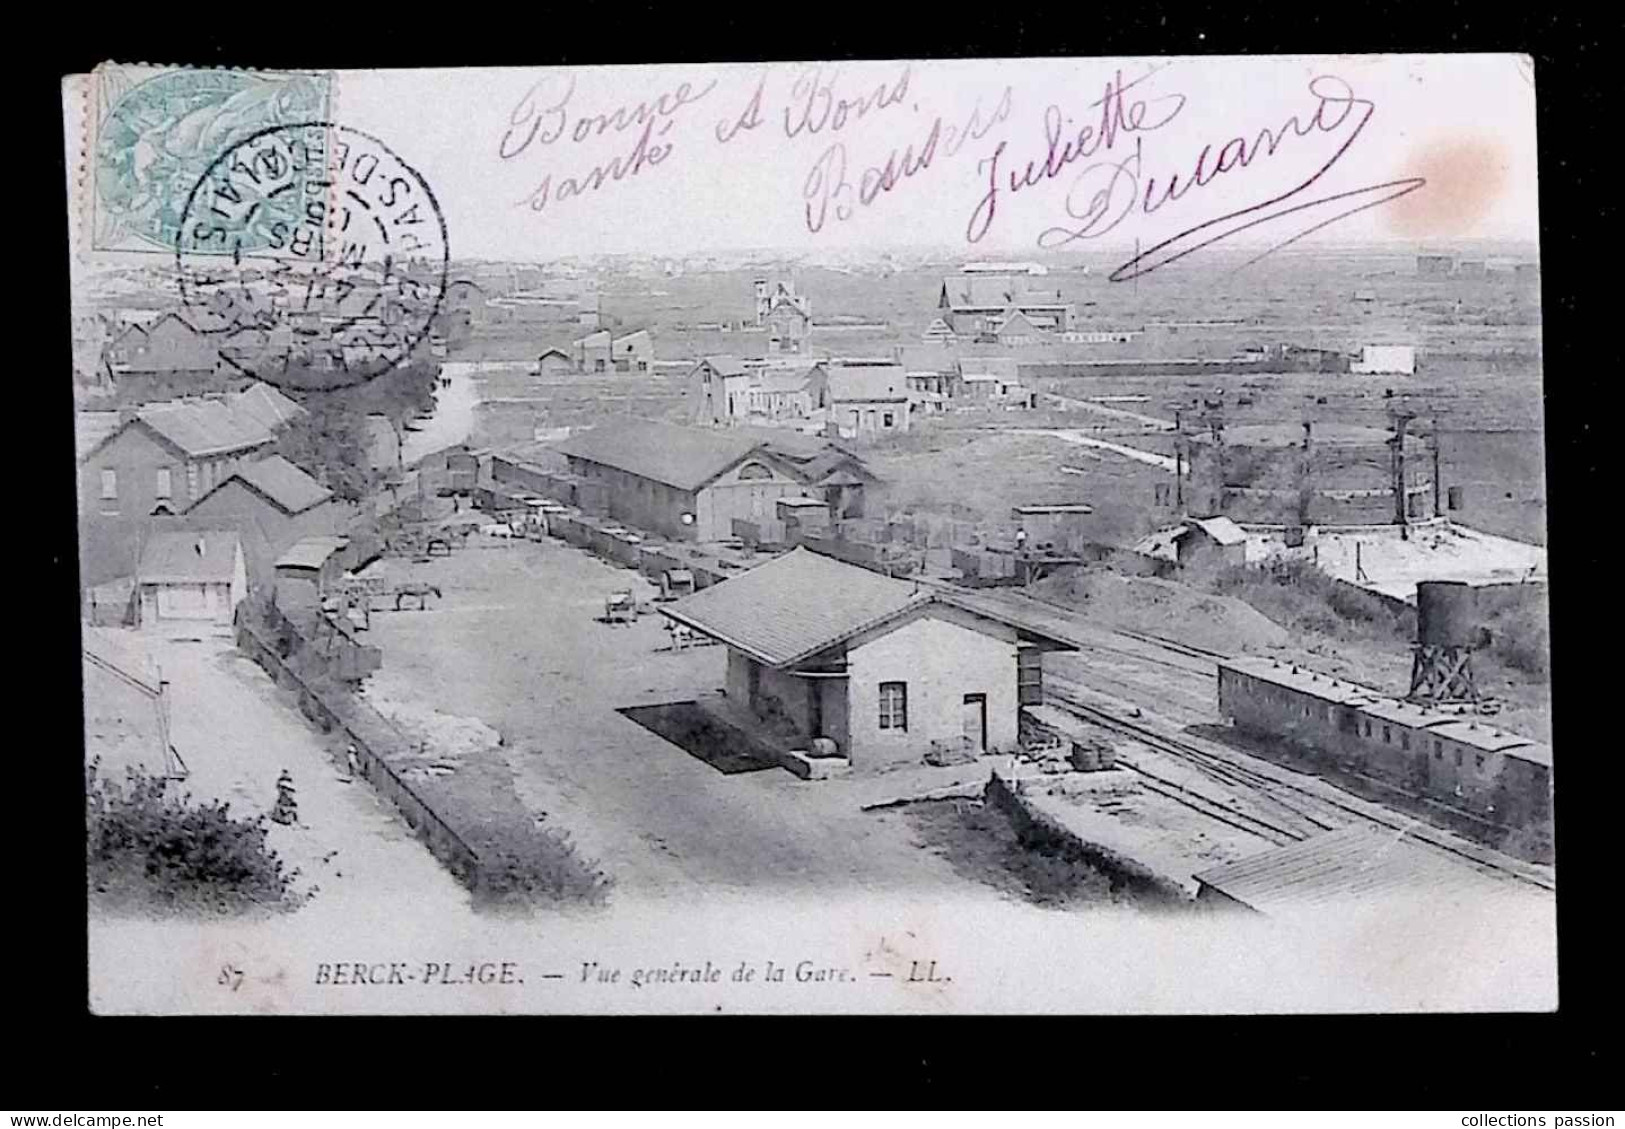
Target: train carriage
(1451, 757)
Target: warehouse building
(270, 504)
(890, 672)
(685, 483)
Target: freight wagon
(1452, 757)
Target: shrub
(1301, 598)
(1521, 638)
(522, 866)
(151, 850)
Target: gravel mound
(1164, 608)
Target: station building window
(894, 705)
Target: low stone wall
(1041, 830)
(375, 741)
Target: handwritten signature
(543, 117)
(1106, 193)
(828, 185)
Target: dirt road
(236, 732)
(515, 643)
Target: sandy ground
(236, 732)
(515, 644)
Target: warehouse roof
(725, 365)
(987, 368)
(867, 382)
(281, 483)
(188, 557)
(1221, 529)
(990, 290)
(682, 457)
(311, 552)
(1356, 865)
(205, 427)
(265, 405)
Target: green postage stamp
(154, 132)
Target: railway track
(1303, 803)
(1288, 810)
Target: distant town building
(786, 315)
(868, 400)
(553, 362)
(1005, 268)
(592, 353)
(939, 332)
(976, 304)
(1435, 264)
(777, 395)
(716, 391)
(169, 344)
(989, 380)
(1470, 268)
(1014, 327)
(633, 352)
(1394, 359)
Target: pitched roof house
(190, 579)
(886, 669)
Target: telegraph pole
(1401, 420)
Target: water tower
(1446, 633)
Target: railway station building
(888, 670)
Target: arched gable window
(751, 471)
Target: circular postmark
(312, 255)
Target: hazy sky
(500, 149)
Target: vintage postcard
(895, 536)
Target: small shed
(1051, 524)
(1210, 542)
(554, 361)
(304, 572)
(191, 578)
(804, 514)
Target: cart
(621, 607)
(675, 583)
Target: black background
(62, 1058)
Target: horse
(421, 590)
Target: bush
(1301, 598)
(524, 866)
(151, 850)
(1521, 638)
